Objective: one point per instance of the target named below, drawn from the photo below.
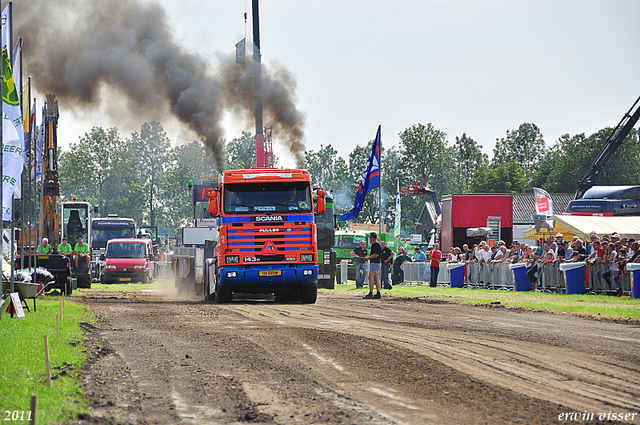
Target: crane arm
(613, 142)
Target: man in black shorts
(374, 266)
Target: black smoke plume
(76, 48)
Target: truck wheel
(69, 286)
(309, 295)
(84, 282)
(222, 295)
(209, 281)
(102, 279)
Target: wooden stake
(46, 357)
(61, 305)
(34, 405)
(57, 329)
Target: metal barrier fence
(620, 280)
(549, 277)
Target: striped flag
(370, 180)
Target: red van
(128, 260)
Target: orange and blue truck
(267, 239)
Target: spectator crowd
(613, 251)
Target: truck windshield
(103, 235)
(267, 198)
(349, 242)
(126, 250)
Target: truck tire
(208, 281)
(69, 286)
(222, 295)
(309, 295)
(84, 282)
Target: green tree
(509, 177)
(569, 159)
(187, 162)
(524, 146)
(467, 158)
(327, 169)
(152, 147)
(424, 154)
(100, 169)
(241, 152)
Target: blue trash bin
(574, 276)
(456, 271)
(634, 268)
(520, 278)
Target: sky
(474, 67)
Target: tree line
(521, 160)
(142, 176)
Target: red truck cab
(128, 260)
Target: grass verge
(23, 366)
(598, 306)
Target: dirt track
(349, 360)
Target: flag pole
(380, 187)
(21, 244)
(8, 42)
(1, 161)
(12, 243)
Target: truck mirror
(101, 257)
(214, 203)
(322, 204)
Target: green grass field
(23, 366)
(586, 305)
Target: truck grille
(252, 237)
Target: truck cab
(268, 239)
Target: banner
(12, 128)
(40, 150)
(396, 227)
(544, 203)
(370, 180)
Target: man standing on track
(359, 262)
(436, 256)
(374, 267)
(387, 257)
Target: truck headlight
(232, 259)
(232, 274)
(306, 257)
(138, 267)
(110, 267)
(307, 272)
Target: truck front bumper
(128, 276)
(265, 279)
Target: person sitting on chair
(44, 248)
(65, 248)
(82, 253)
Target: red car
(128, 260)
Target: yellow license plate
(125, 279)
(270, 273)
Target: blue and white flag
(370, 180)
